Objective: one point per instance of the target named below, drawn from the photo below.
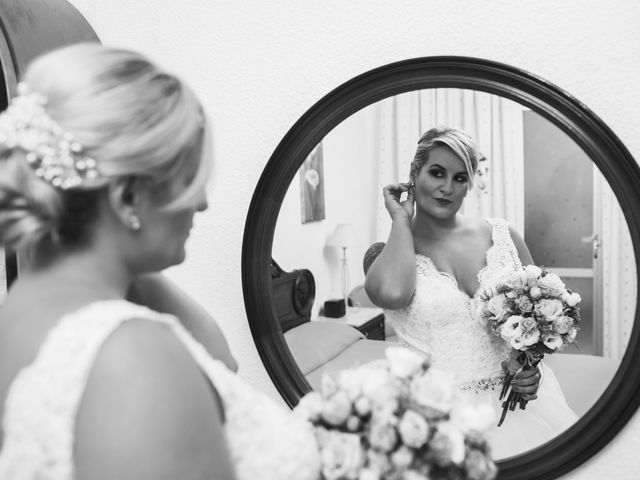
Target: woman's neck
(426, 226)
(86, 274)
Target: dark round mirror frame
(621, 398)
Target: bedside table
(369, 321)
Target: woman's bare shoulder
(145, 400)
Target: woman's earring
(134, 222)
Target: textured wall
(259, 65)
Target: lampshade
(343, 236)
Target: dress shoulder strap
(42, 402)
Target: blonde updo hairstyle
(456, 140)
(133, 118)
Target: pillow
(313, 344)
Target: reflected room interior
(533, 175)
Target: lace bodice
(265, 440)
(441, 319)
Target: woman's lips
(443, 201)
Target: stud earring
(134, 222)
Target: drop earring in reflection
(134, 222)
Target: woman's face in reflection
(441, 184)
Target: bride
(103, 165)
(428, 277)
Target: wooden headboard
(293, 295)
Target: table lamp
(344, 236)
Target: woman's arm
(160, 294)
(391, 279)
(148, 412)
(521, 247)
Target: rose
(350, 382)
(551, 284)
(524, 304)
(517, 280)
(413, 429)
(378, 461)
(362, 406)
(405, 363)
(512, 327)
(342, 455)
(369, 474)
(353, 423)
(497, 306)
(402, 457)
(563, 324)
(552, 340)
(535, 292)
(337, 408)
(549, 308)
(433, 390)
(468, 417)
(479, 466)
(533, 272)
(528, 324)
(382, 435)
(447, 445)
(572, 299)
(310, 406)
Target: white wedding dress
(266, 440)
(441, 321)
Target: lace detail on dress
(42, 403)
(441, 320)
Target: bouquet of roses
(398, 419)
(534, 312)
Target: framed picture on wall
(312, 186)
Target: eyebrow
(461, 172)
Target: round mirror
(552, 169)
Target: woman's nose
(446, 186)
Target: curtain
(495, 124)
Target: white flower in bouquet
(549, 308)
(552, 341)
(382, 434)
(535, 292)
(524, 304)
(469, 418)
(517, 343)
(572, 299)
(362, 406)
(336, 409)
(413, 475)
(552, 285)
(533, 273)
(447, 445)
(477, 466)
(402, 457)
(497, 307)
(572, 335)
(405, 363)
(350, 381)
(563, 324)
(353, 423)
(517, 280)
(328, 386)
(531, 338)
(342, 455)
(413, 429)
(378, 462)
(369, 474)
(512, 327)
(434, 390)
(310, 406)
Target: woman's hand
(527, 383)
(395, 207)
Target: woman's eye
(461, 179)
(436, 173)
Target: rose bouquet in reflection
(398, 419)
(534, 312)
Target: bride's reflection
(534, 176)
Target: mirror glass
(534, 175)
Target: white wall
(258, 66)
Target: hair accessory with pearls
(51, 152)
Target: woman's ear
(124, 198)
